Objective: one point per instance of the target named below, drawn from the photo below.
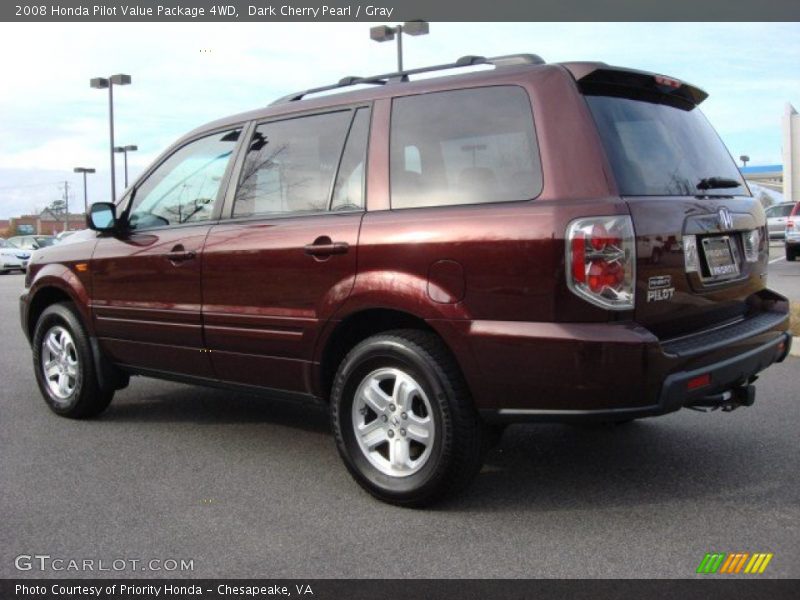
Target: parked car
(431, 260)
(12, 258)
(32, 242)
(792, 234)
(64, 235)
(777, 215)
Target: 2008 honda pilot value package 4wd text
(432, 259)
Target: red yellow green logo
(736, 562)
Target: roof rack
(508, 60)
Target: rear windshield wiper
(713, 183)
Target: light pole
(124, 150)
(384, 33)
(101, 83)
(85, 171)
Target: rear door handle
(323, 246)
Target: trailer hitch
(743, 395)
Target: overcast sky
(186, 74)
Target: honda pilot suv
(431, 259)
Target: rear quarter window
(463, 147)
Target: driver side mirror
(102, 216)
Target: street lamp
(745, 159)
(101, 83)
(384, 33)
(124, 150)
(85, 171)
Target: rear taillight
(752, 244)
(601, 253)
(789, 224)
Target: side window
(772, 212)
(184, 187)
(463, 147)
(348, 192)
(290, 165)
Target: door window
(348, 193)
(290, 166)
(184, 188)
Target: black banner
(396, 589)
(399, 10)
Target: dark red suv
(432, 259)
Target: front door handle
(179, 254)
(323, 247)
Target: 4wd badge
(660, 288)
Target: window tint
(348, 193)
(290, 165)
(464, 147)
(183, 188)
(780, 210)
(661, 150)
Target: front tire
(403, 419)
(64, 365)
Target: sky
(186, 74)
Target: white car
(777, 216)
(13, 258)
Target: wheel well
(357, 328)
(43, 298)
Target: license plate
(720, 257)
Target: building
(51, 223)
(45, 223)
(791, 154)
(783, 178)
(770, 176)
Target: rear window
(464, 147)
(661, 150)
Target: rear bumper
(792, 237)
(723, 376)
(558, 372)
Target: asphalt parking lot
(246, 487)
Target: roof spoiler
(641, 85)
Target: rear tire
(791, 255)
(403, 419)
(64, 364)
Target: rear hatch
(700, 237)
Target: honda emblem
(725, 218)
